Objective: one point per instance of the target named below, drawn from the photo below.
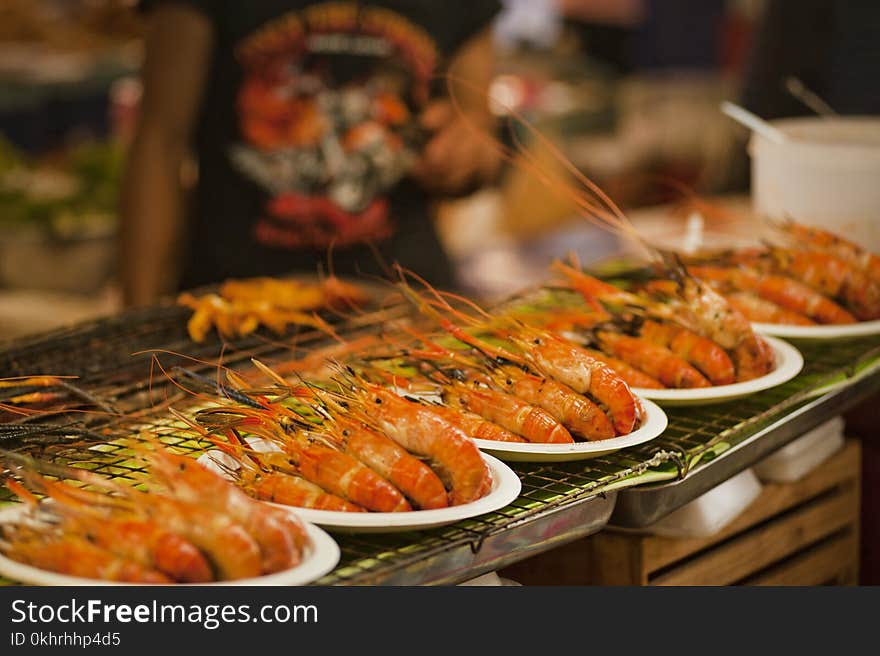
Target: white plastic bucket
(826, 174)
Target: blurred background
(627, 91)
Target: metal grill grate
(693, 433)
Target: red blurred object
(737, 31)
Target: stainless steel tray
(471, 556)
(638, 507)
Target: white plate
(653, 425)
(506, 487)
(789, 363)
(844, 331)
(320, 558)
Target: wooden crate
(801, 533)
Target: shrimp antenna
(380, 259)
(211, 385)
(21, 461)
(675, 266)
(186, 420)
(29, 463)
(436, 350)
(597, 207)
(265, 369)
(21, 492)
(464, 299)
(428, 306)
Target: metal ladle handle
(753, 122)
(800, 91)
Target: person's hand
(455, 159)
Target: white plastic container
(798, 458)
(826, 174)
(711, 512)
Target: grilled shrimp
(829, 275)
(578, 321)
(203, 523)
(264, 476)
(475, 425)
(656, 361)
(573, 366)
(141, 540)
(508, 411)
(574, 411)
(319, 453)
(704, 311)
(387, 473)
(785, 292)
(703, 353)
(309, 456)
(341, 474)
(633, 377)
(75, 556)
(279, 534)
(361, 441)
(547, 354)
(383, 455)
(758, 309)
(423, 432)
(693, 305)
(291, 490)
(827, 242)
(232, 551)
(149, 544)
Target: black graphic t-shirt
(307, 131)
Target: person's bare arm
(178, 47)
(456, 157)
